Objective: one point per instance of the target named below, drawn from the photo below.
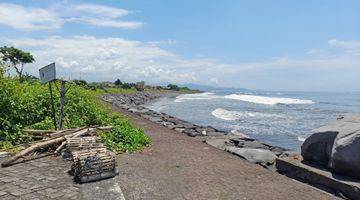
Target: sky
(256, 44)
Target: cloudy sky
(270, 45)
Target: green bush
(28, 105)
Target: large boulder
(336, 146)
(345, 155)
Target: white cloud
(28, 18)
(20, 17)
(105, 59)
(214, 80)
(99, 59)
(353, 44)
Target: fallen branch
(32, 148)
(76, 134)
(47, 143)
(65, 132)
(38, 132)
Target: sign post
(48, 75)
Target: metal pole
(62, 103)
(52, 105)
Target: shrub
(27, 105)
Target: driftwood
(46, 143)
(65, 132)
(80, 133)
(38, 132)
(32, 148)
(75, 134)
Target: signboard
(47, 73)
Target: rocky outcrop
(247, 148)
(336, 146)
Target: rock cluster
(336, 146)
(247, 148)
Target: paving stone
(2, 193)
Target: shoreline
(274, 159)
(247, 148)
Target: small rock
(253, 155)
(181, 130)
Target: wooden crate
(93, 164)
(82, 143)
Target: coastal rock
(181, 130)
(336, 146)
(257, 156)
(345, 155)
(317, 148)
(245, 143)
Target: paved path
(174, 167)
(177, 166)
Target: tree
(173, 87)
(16, 58)
(118, 82)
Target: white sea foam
(235, 115)
(301, 138)
(267, 100)
(196, 96)
(236, 132)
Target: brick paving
(47, 178)
(44, 178)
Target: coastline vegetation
(25, 103)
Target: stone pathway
(47, 178)
(44, 178)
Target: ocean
(283, 119)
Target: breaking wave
(267, 100)
(197, 96)
(236, 115)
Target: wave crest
(267, 100)
(236, 115)
(196, 96)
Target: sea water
(284, 119)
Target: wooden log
(38, 132)
(82, 131)
(32, 148)
(65, 132)
(40, 145)
(105, 128)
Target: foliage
(16, 58)
(80, 82)
(173, 87)
(118, 82)
(27, 105)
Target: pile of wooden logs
(90, 159)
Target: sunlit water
(280, 118)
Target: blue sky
(271, 45)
